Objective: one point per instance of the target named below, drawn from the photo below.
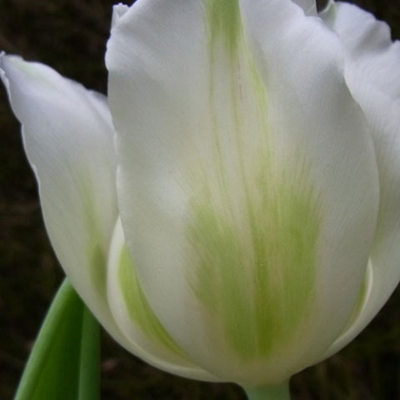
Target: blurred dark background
(70, 36)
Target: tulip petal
(309, 6)
(118, 11)
(247, 206)
(68, 138)
(136, 319)
(372, 73)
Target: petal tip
(118, 12)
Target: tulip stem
(275, 392)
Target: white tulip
(246, 224)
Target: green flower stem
(89, 374)
(276, 392)
(65, 361)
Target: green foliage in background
(70, 36)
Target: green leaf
(64, 363)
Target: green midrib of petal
(138, 307)
(223, 18)
(259, 288)
(254, 224)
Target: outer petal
(248, 185)
(372, 73)
(68, 139)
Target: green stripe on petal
(223, 18)
(256, 277)
(139, 309)
(254, 220)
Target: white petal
(147, 337)
(309, 6)
(372, 73)
(68, 138)
(118, 11)
(206, 109)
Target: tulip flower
(231, 212)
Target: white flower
(247, 224)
